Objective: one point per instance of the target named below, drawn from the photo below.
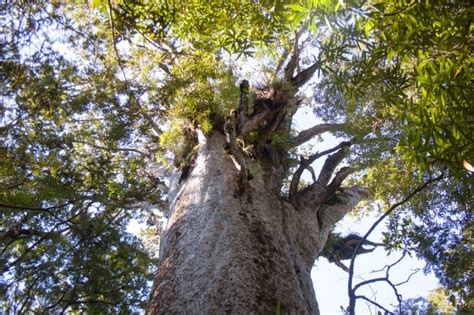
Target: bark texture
(234, 251)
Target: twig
(363, 297)
(110, 148)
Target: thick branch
(331, 163)
(275, 122)
(339, 249)
(332, 211)
(313, 174)
(304, 76)
(308, 134)
(304, 164)
(339, 178)
(295, 58)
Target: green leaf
(299, 17)
(298, 8)
(369, 25)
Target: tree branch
(302, 77)
(351, 291)
(113, 149)
(39, 209)
(243, 103)
(385, 279)
(339, 178)
(304, 164)
(331, 163)
(295, 57)
(363, 297)
(334, 209)
(309, 133)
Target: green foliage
(439, 299)
(282, 142)
(80, 105)
(436, 303)
(397, 72)
(407, 78)
(203, 95)
(236, 26)
(86, 89)
(66, 175)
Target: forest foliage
(97, 98)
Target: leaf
(298, 18)
(369, 25)
(313, 26)
(391, 53)
(298, 8)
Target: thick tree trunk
(228, 251)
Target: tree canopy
(98, 99)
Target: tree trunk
(231, 251)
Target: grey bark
(225, 251)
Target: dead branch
(363, 297)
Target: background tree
(101, 100)
(436, 303)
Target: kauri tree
(182, 111)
